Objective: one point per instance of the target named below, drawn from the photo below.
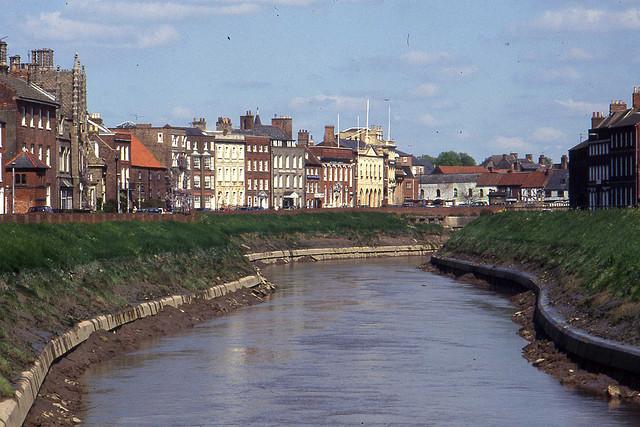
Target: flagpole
(338, 130)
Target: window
(31, 121)
(438, 193)
(455, 192)
(40, 119)
(481, 192)
(471, 192)
(196, 181)
(160, 137)
(139, 176)
(23, 113)
(196, 162)
(40, 152)
(207, 162)
(48, 120)
(21, 179)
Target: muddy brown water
(369, 342)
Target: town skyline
(507, 79)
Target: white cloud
(510, 143)
(547, 134)
(419, 57)
(428, 120)
(155, 10)
(56, 27)
(559, 74)
(425, 90)
(588, 19)
(578, 54)
(336, 102)
(579, 106)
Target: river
(372, 342)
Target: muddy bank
(60, 399)
(542, 352)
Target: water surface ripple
(373, 342)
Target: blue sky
(478, 76)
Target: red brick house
(30, 186)
(147, 182)
(27, 116)
(314, 192)
(258, 171)
(338, 173)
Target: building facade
(230, 170)
(258, 171)
(603, 169)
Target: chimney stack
(285, 123)
(514, 155)
(596, 119)
(14, 63)
(4, 68)
(329, 136)
(529, 157)
(303, 138)
(617, 106)
(635, 97)
(564, 162)
(246, 121)
(223, 124)
(541, 159)
(200, 123)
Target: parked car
(40, 209)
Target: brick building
(147, 182)
(258, 171)
(314, 194)
(338, 175)
(202, 145)
(603, 169)
(27, 118)
(69, 87)
(30, 187)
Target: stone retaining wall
(613, 355)
(320, 254)
(14, 411)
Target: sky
(483, 77)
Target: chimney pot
(329, 135)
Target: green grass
(600, 249)
(53, 275)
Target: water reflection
(373, 342)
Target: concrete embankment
(620, 359)
(320, 254)
(14, 411)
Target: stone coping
(13, 411)
(320, 254)
(609, 353)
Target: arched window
(455, 192)
(481, 192)
(438, 193)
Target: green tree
(451, 158)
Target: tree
(451, 158)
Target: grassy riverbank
(592, 261)
(52, 276)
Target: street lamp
(117, 183)
(13, 187)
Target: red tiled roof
(486, 179)
(523, 179)
(26, 160)
(459, 169)
(141, 157)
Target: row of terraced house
(55, 154)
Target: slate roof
(459, 170)
(326, 154)
(627, 117)
(25, 160)
(558, 180)
(141, 157)
(311, 159)
(273, 132)
(29, 91)
(194, 132)
(506, 161)
(448, 178)
(583, 144)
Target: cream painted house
(371, 176)
(229, 165)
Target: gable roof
(459, 169)
(453, 178)
(558, 180)
(25, 160)
(141, 157)
(29, 91)
(523, 179)
(489, 179)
